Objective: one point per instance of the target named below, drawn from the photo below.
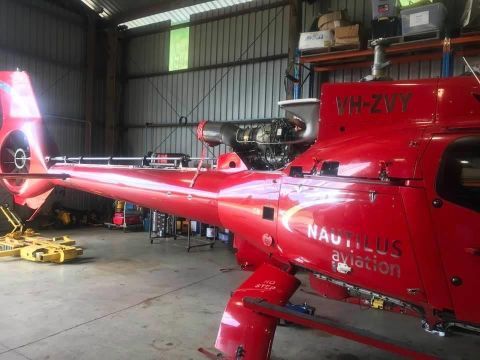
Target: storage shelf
(397, 53)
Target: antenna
(471, 69)
(380, 63)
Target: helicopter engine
(272, 145)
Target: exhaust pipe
(306, 110)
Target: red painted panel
(360, 225)
(353, 107)
(459, 102)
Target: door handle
(473, 251)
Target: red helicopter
(374, 190)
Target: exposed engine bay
(272, 145)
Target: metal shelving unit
(465, 45)
(162, 226)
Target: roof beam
(161, 6)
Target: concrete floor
(127, 299)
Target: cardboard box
(331, 16)
(348, 41)
(315, 40)
(347, 35)
(334, 24)
(347, 31)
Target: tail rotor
(15, 157)
(22, 141)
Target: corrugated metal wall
(50, 43)
(214, 88)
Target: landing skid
(324, 324)
(255, 308)
(328, 325)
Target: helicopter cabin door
(453, 184)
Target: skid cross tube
(330, 326)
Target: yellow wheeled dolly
(29, 245)
(12, 218)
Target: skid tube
(330, 326)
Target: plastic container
(146, 224)
(423, 19)
(383, 8)
(210, 233)
(194, 227)
(119, 219)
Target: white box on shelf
(315, 40)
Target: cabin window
(459, 175)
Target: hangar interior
(115, 79)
